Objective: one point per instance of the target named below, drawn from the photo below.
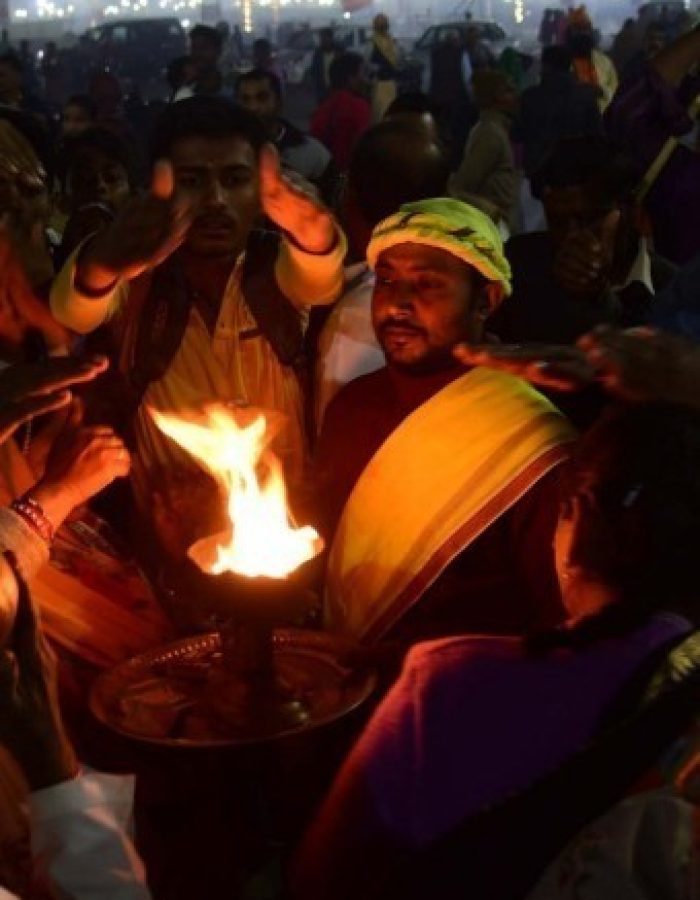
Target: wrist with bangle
(82, 263)
(32, 514)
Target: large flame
(262, 540)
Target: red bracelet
(33, 514)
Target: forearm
(310, 279)
(71, 306)
(94, 270)
(56, 502)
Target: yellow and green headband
(449, 225)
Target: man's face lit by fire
(425, 301)
(218, 179)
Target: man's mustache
(400, 325)
(209, 220)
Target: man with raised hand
(203, 307)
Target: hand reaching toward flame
(82, 462)
(293, 204)
(638, 365)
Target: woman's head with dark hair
(346, 72)
(628, 538)
(214, 148)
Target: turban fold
(448, 225)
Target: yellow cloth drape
(441, 478)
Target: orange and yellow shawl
(442, 477)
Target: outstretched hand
(548, 366)
(36, 389)
(82, 461)
(30, 721)
(638, 365)
(148, 230)
(293, 204)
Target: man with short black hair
(260, 92)
(215, 309)
(206, 45)
(437, 481)
(394, 162)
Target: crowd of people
(474, 313)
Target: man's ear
(489, 297)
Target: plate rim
(318, 641)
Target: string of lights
(47, 9)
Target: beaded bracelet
(32, 513)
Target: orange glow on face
(262, 539)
